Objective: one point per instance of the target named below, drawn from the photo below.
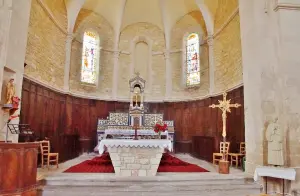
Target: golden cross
(225, 106)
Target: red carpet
(103, 164)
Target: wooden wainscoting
(183, 146)
(52, 114)
(203, 147)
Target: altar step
(161, 185)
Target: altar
(118, 126)
(129, 137)
(135, 157)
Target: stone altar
(135, 157)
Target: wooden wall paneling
(32, 113)
(76, 117)
(54, 114)
(68, 114)
(203, 147)
(25, 105)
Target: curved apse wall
(45, 58)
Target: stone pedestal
(135, 161)
(224, 167)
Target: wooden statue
(10, 91)
(275, 144)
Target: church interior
(137, 97)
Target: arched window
(192, 60)
(90, 58)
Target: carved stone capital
(210, 40)
(167, 54)
(70, 37)
(117, 54)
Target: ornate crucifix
(225, 106)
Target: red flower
(160, 127)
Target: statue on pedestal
(10, 91)
(275, 144)
(12, 101)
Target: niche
(137, 95)
(141, 60)
(6, 112)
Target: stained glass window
(90, 55)
(192, 60)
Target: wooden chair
(48, 157)
(235, 158)
(224, 149)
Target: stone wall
(228, 55)
(154, 37)
(46, 60)
(58, 10)
(192, 22)
(89, 20)
(270, 66)
(14, 20)
(45, 53)
(223, 10)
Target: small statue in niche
(275, 144)
(137, 96)
(10, 91)
(12, 102)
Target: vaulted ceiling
(134, 11)
(162, 13)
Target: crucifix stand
(135, 127)
(135, 132)
(225, 106)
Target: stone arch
(73, 8)
(209, 21)
(149, 42)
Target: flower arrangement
(160, 127)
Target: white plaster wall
(16, 49)
(270, 41)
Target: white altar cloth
(134, 143)
(275, 172)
